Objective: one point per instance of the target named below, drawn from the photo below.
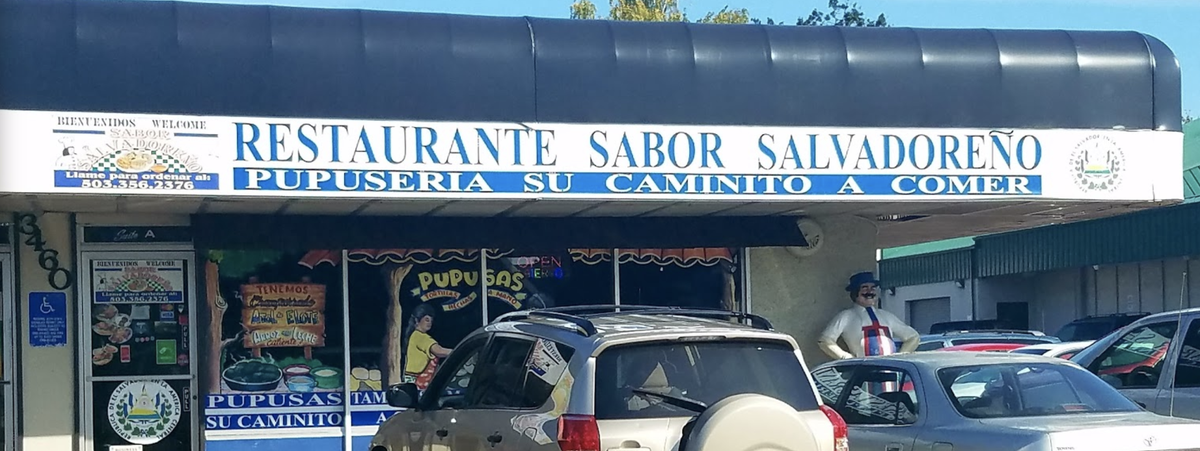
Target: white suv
(592, 378)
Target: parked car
(591, 378)
(1155, 361)
(1096, 326)
(982, 324)
(1023, 337)
(1060, 350)
(984, 347)
(989, 401)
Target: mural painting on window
(274, 342)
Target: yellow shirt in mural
(419, 353)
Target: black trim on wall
(295, 232)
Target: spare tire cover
(750, 422)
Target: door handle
(494, 439)
(894, 447)
(442, 433)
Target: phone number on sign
(140, 184)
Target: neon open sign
(539, 267)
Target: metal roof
(239, 60)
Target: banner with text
(56, 152)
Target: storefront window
(690, 278)
(274, 341)
(408, 309)
(536, 278)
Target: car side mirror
(403, 396)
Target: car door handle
(442, 433)
(894, 447)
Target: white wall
(960, 299)
(801, 295)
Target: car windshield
(633, 380)
(1006, 390)
(1084, 330)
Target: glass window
(1136, 359)
(521, 279)
(881, 396)
(830, 381)
(651, 380)
(519, 373)
(453, 388)
(1187, 370)
(275, 338)
(694, 277)
(1021, 390)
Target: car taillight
(841, 434)
(579, 433)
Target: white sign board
(63, 152)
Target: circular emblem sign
(1097, 164)
(144, 412)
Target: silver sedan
(942, 401)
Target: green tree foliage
(654, 11)
(840, 13)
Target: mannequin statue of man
(866, 329)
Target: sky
(1175, 22)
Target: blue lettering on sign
(585, 183)
(272, 400)
(47, 319)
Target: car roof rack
(577, 314)
(583, 325)
(756, 321)
(993, 331)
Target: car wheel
(751, 422)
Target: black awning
(297, 232)
(212, 59)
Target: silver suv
(592, 378)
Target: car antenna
(1183, 291)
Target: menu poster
(283, 315)
(138, 281)
(139, 317)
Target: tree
(655, 11)
(1187, 117)
(841, 13)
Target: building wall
(801, 295)
(1058, 297)
(47, 377)
(960, 299)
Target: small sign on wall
(47, 319)
(124, 447)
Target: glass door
(8, 409)
(140, 380)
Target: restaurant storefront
(234, 254)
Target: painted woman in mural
(422, 352)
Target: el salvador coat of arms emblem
(144, 412)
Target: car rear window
(705, 371)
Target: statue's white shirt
(868, 332)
